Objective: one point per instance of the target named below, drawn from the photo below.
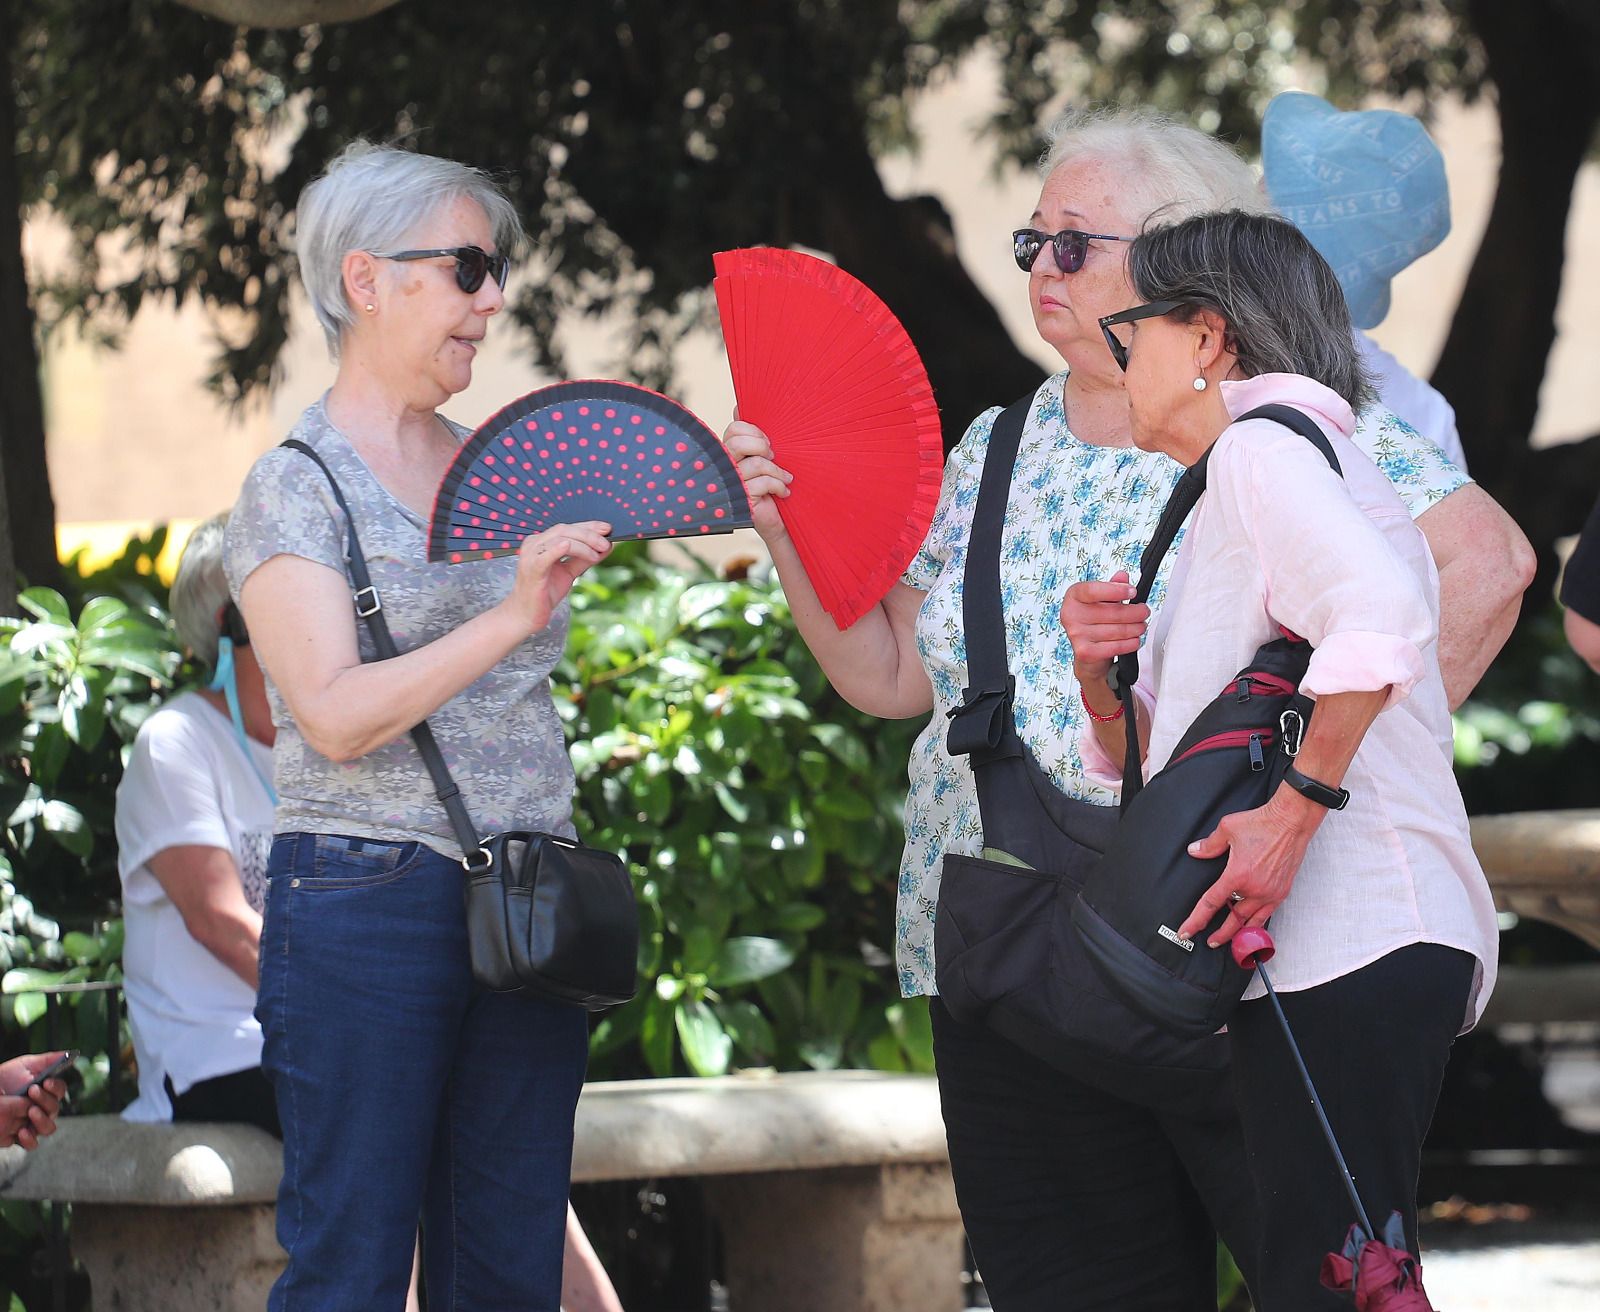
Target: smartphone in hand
(50, 1072)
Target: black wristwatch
(1332, 798)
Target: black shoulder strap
(1184, 495)
(369, 606)
(979, 723)
(1185, 492)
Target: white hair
(1169, 170)
(369, 199)
(200, 589)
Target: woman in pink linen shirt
(1384, 923)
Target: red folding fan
(826, 371)
(595, 449)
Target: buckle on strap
(367, 601)
(978, 724)
(475, 863)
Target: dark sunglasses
(1069, 246)
(472, 264)
(1154, 310)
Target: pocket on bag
(986, 939)
(340, 862)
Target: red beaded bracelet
(1094, 714)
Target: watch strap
(1320, 793)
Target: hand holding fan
(585, 450)
(823, 368)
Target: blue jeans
(406, 1092)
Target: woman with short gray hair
(1384, 924)
(405, 1090)
(200, 590)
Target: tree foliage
(638, 136)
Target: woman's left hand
(1265, 848)
(549, 563)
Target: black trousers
(1375, 1042)
(240, 1096)
(1079, 1200)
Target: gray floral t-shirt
(501, 736)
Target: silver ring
(1236, 897)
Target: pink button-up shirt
(1279, 538)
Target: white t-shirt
(1401, 392)
(188, 782)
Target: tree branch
(29, 520)
(1544, 63)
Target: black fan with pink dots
(595, 449)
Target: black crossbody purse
(546, 915)
(1005, 952)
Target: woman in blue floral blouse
(1074, 1198)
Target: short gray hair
(369, 199)
(1282, 303)
(200, 589)
(1169, 170)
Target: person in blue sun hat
(1368, 188)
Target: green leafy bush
(73, 692)
(1529, 737)
(762, 814)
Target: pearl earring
(370, 307)
(1199, 383)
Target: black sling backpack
(1231, 758)
(1007, 952)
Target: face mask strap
(226, 682)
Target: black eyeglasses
(1069, 246)
(473, 264)
(1154, 310)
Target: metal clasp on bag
(371, 605)
(471, 861)
(1292, 726)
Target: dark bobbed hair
(1282, 303)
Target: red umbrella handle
(1252, 945)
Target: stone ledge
(626, 1129)
(795, 1121)
(1545, 865)
(104, 1159)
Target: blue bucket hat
(1367, 188)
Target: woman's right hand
(763, 480)
(1101, 625)
(29, 1114)
(549, 563)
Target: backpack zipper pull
(1243, 691)
(1258, 760)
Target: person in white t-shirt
(194, 828)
